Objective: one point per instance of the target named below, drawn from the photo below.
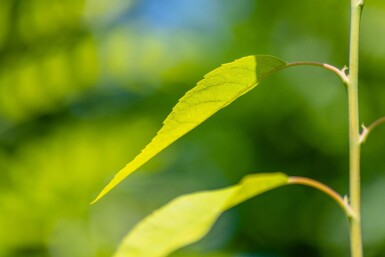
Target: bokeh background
(84, 85)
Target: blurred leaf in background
(84, 85)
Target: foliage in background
(83, 85)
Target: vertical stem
(354, 136)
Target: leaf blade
(188, 218)
(218, 89)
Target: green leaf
(218, 89)
(190, 217)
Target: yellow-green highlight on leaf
(190, 217)
(218, 89)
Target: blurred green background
(84, 85)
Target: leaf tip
(96, 199)
(105, 190)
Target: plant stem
(354, 134)
(340, 73)
(342, 202)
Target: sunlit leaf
(218, 89)
(190, 217)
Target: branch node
(361, 3)
(366, 130)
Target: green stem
(354, 134)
